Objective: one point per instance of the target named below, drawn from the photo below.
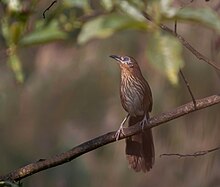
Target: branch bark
(100, 141)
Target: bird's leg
(121, 130)
(143, 122)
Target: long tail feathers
(140, 148)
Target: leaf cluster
(81, 21)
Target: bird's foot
(119, 132)
(121, 128)
(144, 122)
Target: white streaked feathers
(134, 97)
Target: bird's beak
(118, 58)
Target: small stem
(188, 87)
(48, 9)
(182, 75)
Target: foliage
(85, 20)
(9, 184)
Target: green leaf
(15, 64)
(204, 16)
(167, 8)
(44, 34)
(76, 3)
(161, 9)
(164, 52)
(131, 10)
(105, 26)
(15, 5)
(16, 30)
(107, 4)
(5, 30)
(8, 184)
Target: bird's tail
(140, 148)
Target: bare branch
(100, 141)
(48, 8)
(198, 153)
(183, 76)
(188, 87)
(184, 42)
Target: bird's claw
(119, 132)
(121, 129)
(142, 126)
(144, 122)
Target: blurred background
(59, 88)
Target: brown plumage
(136, 99)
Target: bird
(136, 99)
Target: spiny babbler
(136, 99)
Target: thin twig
(100, 141)
(48, 8)
(198, 153)
(183, 76)
(184, 42)
(188, 87)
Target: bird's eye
(126, 58)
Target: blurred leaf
(107, 4)
(159, 9)
(76, 3)
(204, 16)
(12, 31)
(105, 26)
(167, 9)
(14, 5)
(8, 184)
(131, 10)
(16, 29)
(5, 29)
(140, 4)
(164, 52)
(44, 34)
(15, 64)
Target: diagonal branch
(100, 141)
(184, 42)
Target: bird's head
(126, 62)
